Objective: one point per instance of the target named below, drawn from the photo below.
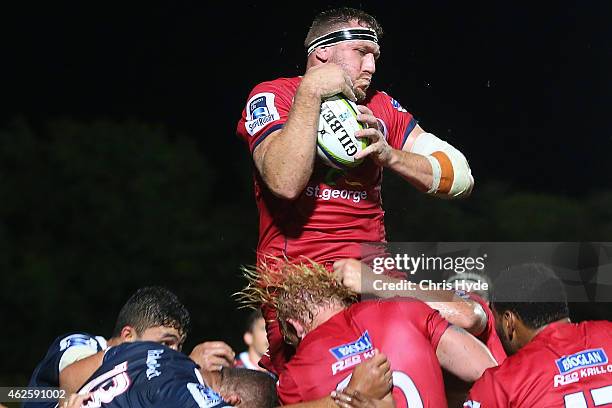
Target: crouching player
(333, 334)
(553, 362)
(147, 374)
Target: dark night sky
(523, 88)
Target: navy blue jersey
(146, 374)
(63, 351)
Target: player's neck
(537, 331)
(254, 357)
(324, 313)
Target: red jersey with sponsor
(407, 331)
(565, 365)
(338, 210)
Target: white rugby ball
(336, 141)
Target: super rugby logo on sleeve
(353, 353)
(584, 359)
(260, 111)
(204, 396)
(397, 105)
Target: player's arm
(463, 355)
(285, 159)
(73, 377)
(428, 163)
(451, 173)
(465, 313)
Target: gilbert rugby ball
(336, 141)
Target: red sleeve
(486, 392)
(396, 121)
(287, 390)
(266, 111)
(435, 326)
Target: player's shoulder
(398, 303)
(381, 99)
(142, 350)
(597, 325)
(404, 308)
(286, 84)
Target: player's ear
(509, 324)
(298, 327)
(128, 334)
(322, 54)
(248, 338)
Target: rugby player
(150, 314)
(307, 209)
(146, 374)
(552, 362)
(454, 305)
(332, 334)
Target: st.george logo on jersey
(336, 141)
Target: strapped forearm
(452, 177)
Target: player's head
(153, 314)
(526, 298)
(298, 292)
(348, 37)
(255, 389)
(255, 333)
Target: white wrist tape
(452, 176)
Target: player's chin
(360, 92)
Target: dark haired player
(256, 340)
(552, 362)
(150, 314)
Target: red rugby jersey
(337, 211)
(407, 331)
(565, 365)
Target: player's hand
(75, 400)
(354, 274)
(213, 355)
(372, 378)
(348, 399)
(328, 80)
(379, 150)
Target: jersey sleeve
(435, 326)
(486, 392)
(397, 122)
(266, 110)
(287, 390)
